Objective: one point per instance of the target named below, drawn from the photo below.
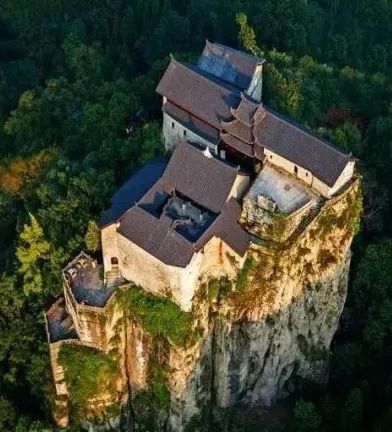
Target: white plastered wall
(143, 269)
(304, 175)
(109, 245)
(255, 88)
(173, 132)
(220, 260)
(344, 177)
(240, 187)
(216, 259)
(308, 178)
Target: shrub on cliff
(89, 373)
(158, 316)
(307, 419)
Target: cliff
(261, 337)
(252, 340)
(274, 331)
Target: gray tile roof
(227, 228)
(259, 152)
(238, 133)
(133, 189)
(301, 147)
(245, 110)
(192, 123)
(206, 181)
(237, 144)
(241, 130)
(197, 94)
(156, 237)
(228, 64)
(214, 102)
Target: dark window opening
(270, 156)
(172, 125)
(184, 133)
(114, 260)
(295, 170)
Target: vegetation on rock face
(243, 274)
(151, 414)
(306, 417)
(151, 405)
(218, 289)
(158, 316)
(349, 219)
(74, 74)
(89, 374)
(330, 231)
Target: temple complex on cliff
(235, 169)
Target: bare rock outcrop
(261, 341)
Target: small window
(295, 170)
(306, 174)
(184, 133)
(172, 125)
(114, 260)
(270, 156)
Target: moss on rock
(159, 316)
(89, 373)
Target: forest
(74, 75)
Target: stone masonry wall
(266, 224)
(173, 132)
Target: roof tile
(228, 64)
(132, 190)
(155, 236)
(196, 94)
(301, 147)
(206, 181)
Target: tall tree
(33, 249)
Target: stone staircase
(270, 247)
(313, 212)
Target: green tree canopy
(33, 249)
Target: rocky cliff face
(263, 339)
(261, 358)
(250, 341)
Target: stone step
(313, 212)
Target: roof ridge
(261, 60)
(246, 103)
(214, 158)
(248, 99)
(193, 71)
(233, 120)
(250, 144)
(305, 130)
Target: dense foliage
(97, 376)
(74, 75)
(158, 316)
